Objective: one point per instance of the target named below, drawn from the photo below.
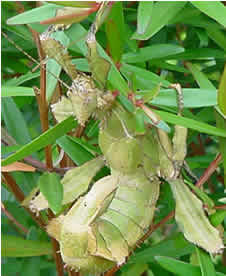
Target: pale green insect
(93, 235)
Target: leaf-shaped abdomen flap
(192, 220)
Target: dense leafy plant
(149, 46)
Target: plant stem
(13, 220)
(43, 110)
(41, 99)
(42, 167)
(209, 171)
(17, 192)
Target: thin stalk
(41, 99)
(209, 171)
(17, 192)
(13, 220)
(43, 110)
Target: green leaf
(115, 31)
(18, 81)
(222, 93)
(190, 123)
(135, 270)
(75, 151)
(14, 91)
(144, 16)
(174, 246)
(217, 36)
(152, 52)
(13, 118)
(31, 266)
(17, 247)
(126, 103)
(180, 268)
(221, 123)
(41, 141)
(146, 77)
(9, 149)
(83, 4)
(34, 15)
(200, 53)
(215, 10)
(92, 149)
(162, 12)
(171, 67)
(193, 97)
(217, 217)
(206, 264)
(52, 189)
(200, 77)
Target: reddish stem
(13, 220)
(209, 171)
(17, 192)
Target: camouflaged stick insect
(98, 239)
(102, 232)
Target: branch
(17, 192)
(41, 98)
(209, 171)
(13, 220)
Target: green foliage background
(167, 42)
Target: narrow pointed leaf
(200, 77)
(221, 123)
(69, 15)
(13, 117)
(48, 137)
(192, 124)
(76, 152)
(205, 262)
(144, 16)
(17, 91)
(17, 247)
(215, 10)
(34, 15)
(152, 52)
(162, 13)
(174, 246)
(87, 4)
(222, 93)
(193, 97)
(180, 268)
(115, 31)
